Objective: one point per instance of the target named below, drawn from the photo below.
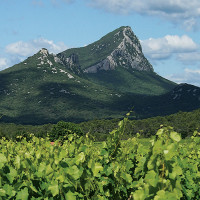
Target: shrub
(62, 130)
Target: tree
(62, 130)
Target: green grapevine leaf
(2, 193)
(41, 169)
(53, 188)
(22, 194)
(139, 195)
(129, 165)
(70, 196)
(9, 190)
(17, 162)
(3, 160)
(175, 136)
(11, 176)
(151, 178)
(127, 177)
(74, 172)
(48, 170)
(80, 158)
(160, 131)
(96, 168)
(160, 195)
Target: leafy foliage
(113, 169)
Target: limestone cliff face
(126, 53)
(70, 62)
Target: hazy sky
(169, 31)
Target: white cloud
(191, 76)
(186, 12)
(25, 49)
(163, 48)
(3, 63)
(18, 51)
(189, 58)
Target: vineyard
(78, 168)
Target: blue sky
(169, 31)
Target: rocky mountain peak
(44, 52)
(44, 57)
(119, 48)
(131, 39)
(127, 54)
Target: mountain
(102, 80)
(116, 60)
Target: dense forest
(183, 122)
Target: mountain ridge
(87, 83)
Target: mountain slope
(102, 80)
(39, 89)
(184, 97)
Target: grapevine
(79, 168)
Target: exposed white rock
(175, 96)
(44, 52)
(118, 95)
(68, 74)
(44, 57)
(64, 91)
(106, 64)
(57, 60)
(63, 71)
(121, 53)
(49, 62)
(117, 34)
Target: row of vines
(78, 168)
